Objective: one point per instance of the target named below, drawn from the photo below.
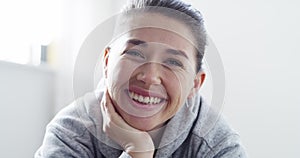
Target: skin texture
(152, 62)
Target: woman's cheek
(178, 88)
(174, 93)
(119, 71)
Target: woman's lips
(144, 99)
(145, 102)
(156, 93)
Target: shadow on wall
(25, 108)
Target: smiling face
(150, 72)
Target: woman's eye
(173, 62)
(135, 53)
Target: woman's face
(150, 72)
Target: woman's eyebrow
(137, 42)
(177, 52)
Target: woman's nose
(150, 73)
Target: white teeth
(136, 97)
(143, 99)
(131, 94)
(151, 100)
(146, 99)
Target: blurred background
(257, 41)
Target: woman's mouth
(143, 103)
(145, 99)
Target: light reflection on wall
(25, 26)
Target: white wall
(26, 106)
(77, 19)
(259, 45)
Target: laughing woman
(148, 104)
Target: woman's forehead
(153, 23)
(158, 35)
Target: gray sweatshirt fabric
(195, 131)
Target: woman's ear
(105, 60)
(198, 81)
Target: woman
(148, 104)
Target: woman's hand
(135, 142)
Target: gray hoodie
(195, 131)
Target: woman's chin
(144, 124)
